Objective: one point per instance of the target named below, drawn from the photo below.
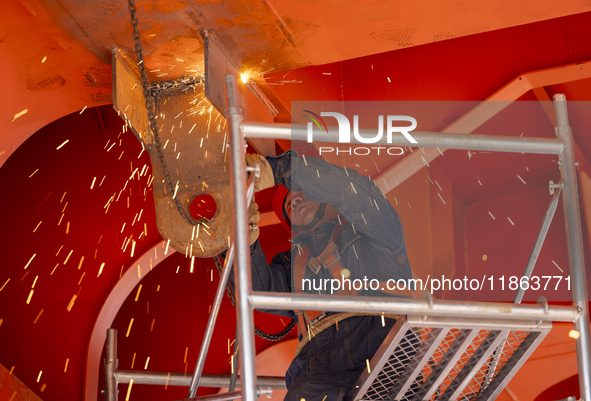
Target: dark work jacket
(371, 242)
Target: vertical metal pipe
(111, 366)
(538, 245)
(240, 223)
(574, 238)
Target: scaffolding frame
(248, 300)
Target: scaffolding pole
(492, 143)
(574, 240)
(419, 307)
(240, 223)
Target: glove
(266, 179)
(253, 227)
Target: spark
(67, 228)
(520, 179)
(81, 277)
(44, 59)
(424, 161)
(409, 205)
(59, 147)
(101, 269)
(129, 389)
(38, 316)
(39, 376)
(352, 186)
(383, 321)
(83, 109)
(176, 189)
(68, 257)
(80, 264)
(167, 244)
(440, 151)
(33, 173)
(71, 304)
(132, 248)
(5, 284)
(491, 215)
(558, 266)
(511, 221)
(146, 365)
(30, 260)
(19, 114)
(30, 296)
(56, 265)
(186, 352)
(129, 328)
(439, 186)
(574, 334)
(37, 226)
(139, 289)
(192, 263)
(66, 367)
(441, 198)
(388, 79)
(368, 368)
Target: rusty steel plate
(193, 136)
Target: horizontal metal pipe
(234, 395)
(424, 139)
(407, 306)
(179, 379)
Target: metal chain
(271, 337)
(150, 106)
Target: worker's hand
(253, 226)
(266, 179)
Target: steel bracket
(193, 136)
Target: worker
(344, 231)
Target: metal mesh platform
(441, 359)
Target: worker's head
(297, 213)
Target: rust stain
(96, 77)
(164, 6)
(44, 82)
(112, 8)
(401, 36)
(100, 97)
(224, 21)
(151, 31)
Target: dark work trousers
(328, 366)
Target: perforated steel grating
(443, 360)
